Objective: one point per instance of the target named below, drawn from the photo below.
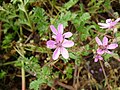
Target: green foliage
(40, 19)
(70, 3)
(106, 57)
(7, 15)
(63, 18)
(72, 56)
(69, 71)
(32, 65)
(80, 23)
(44, 77)
(107, 5)
(86, 52)
(2, 74)
(95, 6)
(118, 37)
(7, 41)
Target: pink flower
(103, 46)
(60, 31)
(109, 23)
(60, 45)
(98, 57)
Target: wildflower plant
(26, 47)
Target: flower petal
(64, 53)
(100, 51)
(59, 38)
(96, 59)
(67, 34)
(104, 25)
(112, 46)
(98, 41)
(117, 20)
(54, 36)
(100, 57)
(56, 53)
(53, 29)
(51, 44)
(105, 41)
(107, 51)
(108, 20)
(67, 43)
(60, 28)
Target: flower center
(59, 44)
(103, 47)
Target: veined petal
(59, 38)
(56, 53)
(108, 20)
(51, 44)
(67, 43)
(103, 25)
(100, 51)
(53, 29)
(98, 41)
(105, 41)
(64, 52)
(60, 28)
(67, 34)
(112, 46)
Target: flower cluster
(60, 42)
(103, 45)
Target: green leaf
(63, 18)
(2, 74)
(69, 71)
(116, 56)
(34, 85)
(107, 56)
(70, 3)
(107, 5)
(21, 7)
(26, 1)
(40, 19)
(43, 77)
(85, 16)
(85, 53)
(7, 40)
(72, 56)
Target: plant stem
(26, 14)
(22, 69)
(65, 86)
(106, 79)
(23, 75)
(7, 63)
